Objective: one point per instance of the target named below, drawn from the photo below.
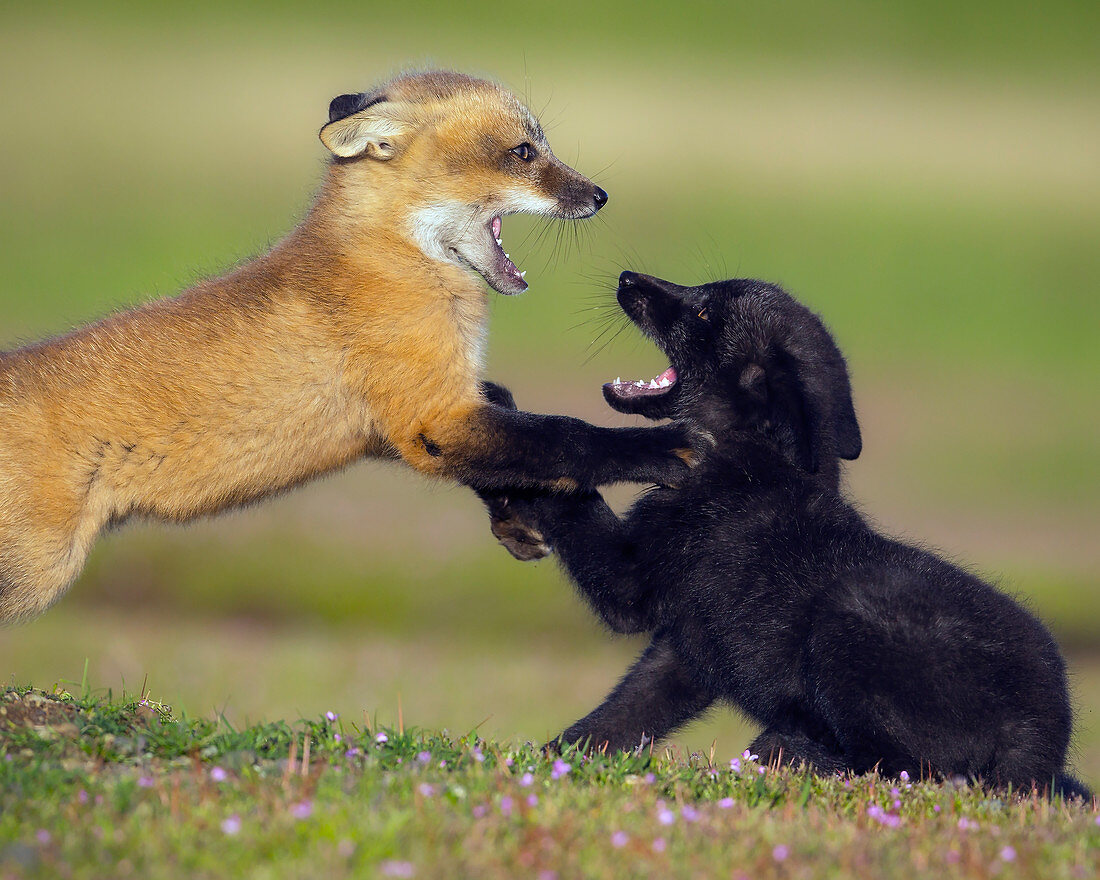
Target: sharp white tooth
(618, 380)
(523, 273)
(508, 255)
(499, 242)
(665, 383)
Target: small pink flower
(1008, 854)
(480, 811)
(620, 839)
(426, 790)
(904, 775)
(506, 805)
(336, 737)
(218, 774)
(478, 755)
(526, 779)
(232, 825)
(560, 769)
(650, 779)
(331, 716)
(42, 836)
(935, 808)
(397, 869)
(749, 757)
(666, 817)
(382, 739)
(145, 781)
(424, 757)
(780, 853)
(532, 800)
(659, 845)
(726, 803)
(302, 810)
(735, 765)
(689, 813)
(82, 796)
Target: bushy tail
(1068, 787)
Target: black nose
(627, 279)
(600, 197)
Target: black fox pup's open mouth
(657, 387)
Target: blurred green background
(925, 174)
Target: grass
(92, 785)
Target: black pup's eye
(703, 314)
(525, 151)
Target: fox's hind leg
(655, 697)
(794, 748)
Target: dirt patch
(43, 713)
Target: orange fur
(360, 334)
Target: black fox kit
(764, 588)
(360, 334)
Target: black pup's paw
(498, 395)
(679, 448)
(515, 532)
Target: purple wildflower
(43, 836)
(424, 757)
(331, 716)
(620, 839)
(353, 752)
(302, 810)
(781, 852)
(526, 779)
(726, 803)
(145, 781)
(232, 825)
(397, 869)
(532, 800)
(560, 769)
(735, 765)
(659, 844)
(650, 779)
(478, 755)
(1008, 854)
(426, 790)
(749, 757)
(935, 808)
(218, 774)
(665, 816)
(336, 737)
(689, 813)
(952, 856)
(381, 739)
(82, 796)
(480, 811)
(904, 775)
(506, 804)
(509, 761)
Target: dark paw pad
(523, 541)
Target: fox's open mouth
(498, 269)
(658, 387)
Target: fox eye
(525, 151)
(703, 314)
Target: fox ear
(374, 130)
(796, 415)
(811, 405)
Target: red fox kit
(360, 334)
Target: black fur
(764, 588)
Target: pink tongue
(496, 227)
(669, 374)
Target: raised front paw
(676, 449)
(515, 532)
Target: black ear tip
(344, 105)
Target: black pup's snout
(599, 197)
